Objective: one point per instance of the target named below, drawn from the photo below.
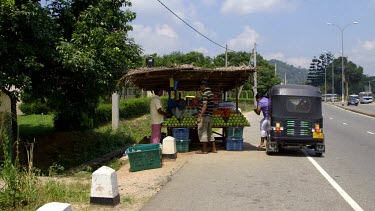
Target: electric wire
(194, 28)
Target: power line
(193, 27)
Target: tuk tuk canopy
(295, 101)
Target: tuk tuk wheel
(318, 154)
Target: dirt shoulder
(136, 188)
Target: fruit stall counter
(229, 123)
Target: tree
(27, 35)
(69, 55)
(318, 70)
(95, 51)
(177, 58)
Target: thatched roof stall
(188, 77)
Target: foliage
(36, 107)
(177, 58)
(129, 108)
(20, 183)
(265, 78)
(318, 68)
(27, 35)
(69, 54)
(294, 75)
(31, 126)
(354, 77)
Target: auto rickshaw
(296, 120)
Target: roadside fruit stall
(181, 124)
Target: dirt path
(136, 188)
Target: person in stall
(157, 115)
(204, 120)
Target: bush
(34, 108)
(129, 108)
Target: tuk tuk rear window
(298, 104)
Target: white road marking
(330, 118)
(370, 132)
(344, 123)
(341, 191)
(353, 112)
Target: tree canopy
(74, 55)
(266, 76)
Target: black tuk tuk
(296, 119)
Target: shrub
(34, 108)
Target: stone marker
(104, 188)
(55, 206)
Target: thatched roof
(188, 77)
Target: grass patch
(34, 125)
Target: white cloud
(278, 56)
(245, 40)
(161, 39)
(244, 7)
(295, 61)
(363, 55)
(165, 30)
(201, 50)
(299, 62)
(368, 45)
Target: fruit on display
(223, 112)
(171, 122)
(222, 117)
(217, 120)
(237, 120)
(188, 121)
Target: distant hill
(294, 75)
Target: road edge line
(341, 191)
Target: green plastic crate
(182, 145)
(144, 156)
(235, 132)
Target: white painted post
(104, 188)
(55, 206)
(115, 110)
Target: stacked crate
(181, 136)
(234, 140)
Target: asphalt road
(364, 108)
(343, 179)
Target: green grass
(33, 125)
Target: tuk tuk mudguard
(296, 119)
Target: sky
(293, 31)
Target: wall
(4, 102)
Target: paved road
(363, 108)
(251, 180)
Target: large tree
(27, 37)
(69, 55)
(94, 52)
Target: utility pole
(275, 69)
(226, 55)
(333, 82)
(255, 87)
(285, 78)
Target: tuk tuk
(296, 120)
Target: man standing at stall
(157, 115)
(204, 120)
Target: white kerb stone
(55, 206)
(104, 183)
(169, 145)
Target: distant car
(353, 101)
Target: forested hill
(294, 75)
